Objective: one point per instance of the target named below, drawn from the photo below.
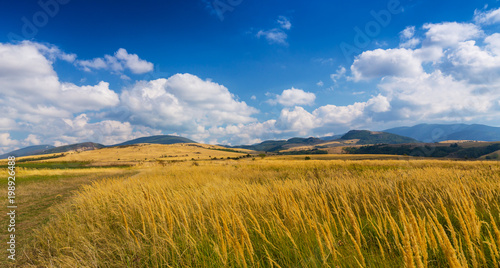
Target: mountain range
(441, 132)
(401, 135)
(160, 139)
(86, 146)
(356, 136)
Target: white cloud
(379, 104)
(183, 102)
(107, 132)
(487, 17)
(31, 89)
(408, 39)
(320, 83)
(284, 22)
(411, 43)
(438, 96)
(293, 96)
(132, 62)
(390, 62)
(341, 71)
(324, 61)
(6, 141)
(274, 36)
(493, 43)
(277, 35)
(448, 34)
(34, 101)
(476, 64)
(52, 52)
(240, 133)
(443, 72)
(120, 61)
(408, 32)
(453, 76)
(7, 124)
(78, 99)
(335, 115)
(32, 140)
(297, 120)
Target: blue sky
(239, 71)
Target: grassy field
(270, 212)
(146, 154)
(42, 187)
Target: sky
(239, 71)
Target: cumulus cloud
(7, 124)
(34, 100)
(438, 96)
(5, 140)
(119, 62)
(493, 43)
(487, 17)
(297, 120)
(107, 132)
(238, 134)
(474, 63)
(440, 72)
(32, 140)
(52, 52)
(183, 102)
(378, 104)
(31, 89)
(448, 34)
(390, 62)
(330, 115)
(293, 96)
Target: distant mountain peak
(443, 132)
(376, 137)
(158, 139)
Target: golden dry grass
(269, 213)
(142, 154)
(38, 191)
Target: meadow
(277, 212)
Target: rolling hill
(31, 150)
(278, 145)
(353, 136)
(86, 146)
(443, 132)
(78, 147)
(467, 150)
(49, 149)
(332, 138)
(160, 139)
(371, 137)
(151, 153)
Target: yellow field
(145, 153)
(277, 213)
